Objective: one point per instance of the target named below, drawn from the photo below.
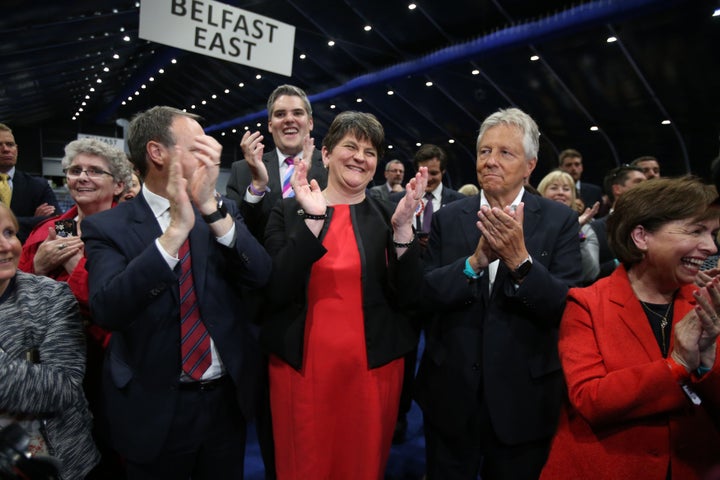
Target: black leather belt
(204, 385)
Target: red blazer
(625, 416)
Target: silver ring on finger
(62, 246)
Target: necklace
(664, 322)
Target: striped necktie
(5, 190)
(287, 190)
(195, 340)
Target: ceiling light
(162, 70)
(534, 58)
(332, 107)
(302, 56)
(92, 89)
(259, 124)
(241, 84)
(124, 102)
(358, 100)
(99, 80)
(122, 29)
(84, 104)
(129, 99)
(331, 43)
(367, 28)
(73, 118)
(87, 97)
(222, 134)
(390, 92)
(611, 39)
(143, 86)
(106, 69)
(475, 72)
(126, 38)
(716, 13)
(213, 96)
(666, 122)
(80, 110)
(234, 130)
(116, 56)
(204, 102)
(258, 76)
(173, 61)
(452, 140)
(594, 128)
(247, 128)
(192, 107)
(390, 147)
(418, 144)
(428, 84)
(412, 6)
(152, 79)
(227, 90)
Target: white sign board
(118, 143)
(221, 31)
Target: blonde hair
(561, 177)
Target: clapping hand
(253, 149)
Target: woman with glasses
(96, 174)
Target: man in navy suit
(171, 417)
(256, 182)
(499, 265)
(570, 161)
(32, 198)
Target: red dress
(335, 418)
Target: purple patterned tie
(427, 213)
(287, 190)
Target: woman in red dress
(345, 269)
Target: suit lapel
(144, 224)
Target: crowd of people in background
(570, 329)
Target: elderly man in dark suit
(499, 267)
(166, 272)
(30, 198)
(260, 179)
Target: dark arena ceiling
(431, 73)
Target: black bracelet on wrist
(310, 216)
(402, 245)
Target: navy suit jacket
(500, 345)
(256, 214)
(134, 294)
(28, 193)
(590, 193)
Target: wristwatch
(522, 270)
(218, 214)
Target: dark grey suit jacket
(257, 214)
(28, 193)
(134, 294)
(501, 345)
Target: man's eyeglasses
(92, 172)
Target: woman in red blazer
(638, 348)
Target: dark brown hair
(654, 204)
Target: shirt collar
(518, 198)
(158, 204)
(11, 173)
(281, 157)
(437, 193)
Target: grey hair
(514, 117)
(118, 164)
